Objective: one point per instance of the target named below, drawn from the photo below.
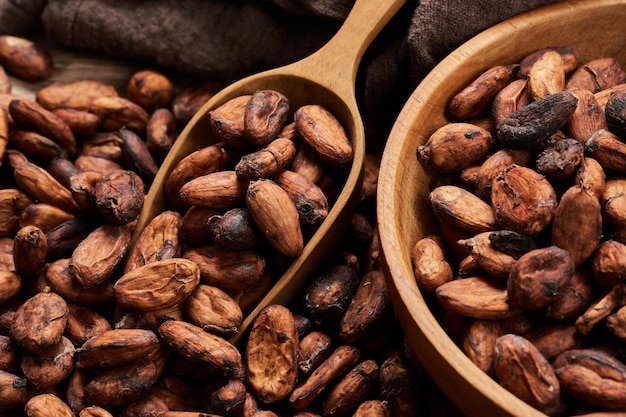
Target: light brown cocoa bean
(588, 117)
(45, 373)
(492, 261)
(309, 199)
(265, 114)
(313, 349)
(161, 132)
(276, 216)
(213, 310)
(218, 190)
(25, 59)
(553, 339)
(75, 391)
(546, 75)
(35, 147)
(30, 115)
(592, 376)
(106, 145)
(117, 112)
(10, 285)
(80, 122)
(83, 323)
(368, 309)
(116, 347)
(462, 209)
(608, 149)
(39, 323)
(577, 206)
(152, 319)
(47, 405)
(44, 216)
(272, 354)
(157, 285)
(95, 258)
(324, 134)
(573, 298)
(30, 248)
(267, 161)
(122, 385)
(14, 391)
(227, 122)
(597, 74)
(478, 343)
(616, 323)
(42, 186)
(352, 389)
(494, 165)
(481, 297)
(73, 94)
(537, 277)
(158, 240)
(479, 93)
(591, 177)
(228, 399)
(526, 373)
(455, 146)
(150, 89)
(103, 166)
(206, 160)
(308, 164)
(613, 201)
(608, 264)
(64, 282)
(192, 342)
(338, 363)
(230, 270)
(12, 202)
(512, 97)
(523, 200)
(601, 308)
(430, 265)
(119, 196)
(83, 187)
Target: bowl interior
(594, 29)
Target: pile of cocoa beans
(91, 327)
(528, 265)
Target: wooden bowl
(595, 28)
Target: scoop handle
(336, 63)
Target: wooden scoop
(327, 78)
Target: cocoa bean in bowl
(499, 215)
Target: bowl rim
(421, 327)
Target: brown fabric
(233, 38)
(20, 17)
